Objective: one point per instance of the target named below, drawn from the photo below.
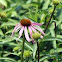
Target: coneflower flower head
(27, 24)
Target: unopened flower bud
(27, 54)
(36, 35)
(56, 2)
(15, 49)
(2, 14)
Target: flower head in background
(24, 25)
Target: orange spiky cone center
(25, 22)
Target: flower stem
(22, 48)
(38, 50)
(50, 18)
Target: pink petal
(41, 36)
(18, 28)
(39, 30)
(33, 42)
(26, 34)
(20, 33)
(39, 24)
(33, 29)
(30, 31)
(17, 25)
(21, 30)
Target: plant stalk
(38, 50)
(22, 48)
(50, 18)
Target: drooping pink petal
(39, 30)
(17, 25)
(30, 31)
(39, 24)
(18, 28)
(20, 33)
(41, 36)
(33, 42)
(33, 29)
(26, 34)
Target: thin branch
(23, 48)
(50, 18)
(38, 50)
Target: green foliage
(12, 12)
(3, 2)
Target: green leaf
(53, 35)
(8, 24)
(10, 31)
(1, 33)
(59, 6)
(58, 50)
(42, 18)
(1, 58)
(45, 6)
(33, 12)
(34, 50)
(46, 57)
(8, 53)
(11, 10)
(52, 39)
(3, 2)
(59, 36)
(28, 46)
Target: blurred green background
(12, 12)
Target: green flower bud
(36, 35)
(27, 54)
(19, 54)
(2, 14)
(56, 1)
(15, 49)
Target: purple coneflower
(26, 24)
